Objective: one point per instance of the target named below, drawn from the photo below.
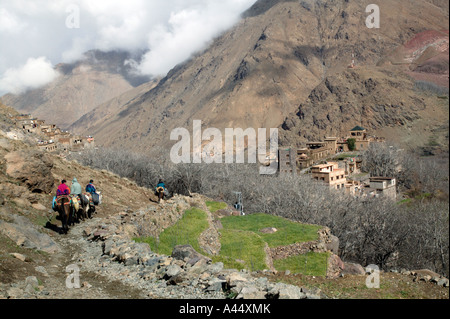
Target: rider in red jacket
(63, 189)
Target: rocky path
(92, 285)
(98, 259)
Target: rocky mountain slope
(258, 73)
(34, 257)
(80, 87)
(425, 57)
(381, 100)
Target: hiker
(90, 188)
(76, 188)
(63, 189)
(161, 184)
(77, 191)
(96, 197)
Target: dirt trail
(93, 285)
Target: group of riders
(73, 204)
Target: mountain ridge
(258, 73)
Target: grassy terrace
(215, 206)
(288, 232)
(185, 232)
(310, 264)
(242, 242)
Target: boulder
(443, 282)
(31, 168)
(24, 233)
(39, 206)
(14, 293)
(251, 293)
(215, 268)
(173, 270)
(268, 230)
(353, 269)
(33, 281)
(215, 285)
(19, 256)
(335, 266)
(182, 277)
(199, 268)
(284, 291)
(41, 270)
(187, 252)
(234, 278)
(425, 273)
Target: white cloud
(35, 73)
(187, 31)
(171, 29)
(9, 22)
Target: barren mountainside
(268, 66)
(79, 88)
(259, 72)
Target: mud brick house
(330, 174)
(381, 186)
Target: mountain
(385, 102)
(259, 72)
(262, 72)
(80, 88)
(425, 57)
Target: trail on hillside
(93, 285)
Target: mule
(64, 211)
(160, 192)
(89, 207)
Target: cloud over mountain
(61, 31)
(35, 73)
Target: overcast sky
(35, 35)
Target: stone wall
(325, 242)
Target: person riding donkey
(90, 188)
(61, 204)
(62, 191)
(161, 190)
(76, 194)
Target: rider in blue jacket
(161, 184)
(90, 188)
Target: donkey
(160, 191)
(64, 211)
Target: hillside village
(50, 137)
(314, 158)
(343, 175)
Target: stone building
(330, 174)
(381, 186)
(287, 161)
